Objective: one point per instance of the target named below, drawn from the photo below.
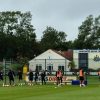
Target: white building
(50, 60)
(87, 58)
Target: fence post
(7, 65)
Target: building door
(83, 60)
(50, 68)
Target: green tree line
(18, 37)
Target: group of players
(59, 77)
(11, 76)
(43, 75)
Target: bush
(16, 67)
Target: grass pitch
(49, 92)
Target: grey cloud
(64, 15)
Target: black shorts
(20, 78)
(30, 78)
(11, 79)
(81, 78)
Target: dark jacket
(43, 74)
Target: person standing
(31, 77)
(59, 77)
(36, 76)
(81, 77)
(19, 74)
(1, 75)
(11, 75)
(43, 75)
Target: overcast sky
(63, 15)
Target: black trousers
(43, 80)
(11, 80)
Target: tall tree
(26, 37)
(17, 36)
(52, 39)
(85, 32)
(89, 34)
(96, 32)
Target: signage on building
(96, 58)
(53, 78)
(87, 51)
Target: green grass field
(49, 92)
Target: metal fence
(52, 65)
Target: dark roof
(66, 54)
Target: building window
(83, 60)
(38, 67)
(50, 68)
(61, 68)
